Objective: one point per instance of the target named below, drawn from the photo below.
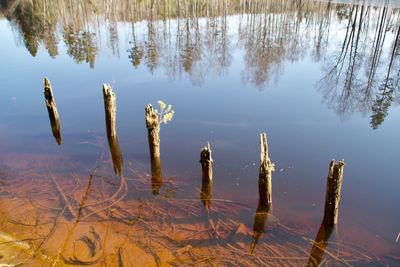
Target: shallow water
(322, 79)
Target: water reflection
(260, 221)
(357, 44)
(359, 77)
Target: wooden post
(52, 110)
(206, 174)
(265, 176)
(153, 134)
(333, 188)
(110, 108)
(206, 163)
(153, 130)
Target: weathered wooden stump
(206, 163)
(333, 189)
(110, 108)
(264, 192)
(207, 173)
(153, 134)
(265, 176)
(52, 110)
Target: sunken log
(333, 189)
(52, 110)
(110, 109)
(265, 176)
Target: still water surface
(322, 79)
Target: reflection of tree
(81, 45)
(136, 52)
(352, 75)
(34, 26)
(386, 90)
(194, 39)
(151, 51)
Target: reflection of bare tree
(387, 88)
(195, 39)
(353, 75)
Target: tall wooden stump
(153, 133)
(264, 192)
(265, 176)
(333, 189)
(110, 108)
(52, 110)
(206, 163)
(207, 173)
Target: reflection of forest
(358, 45)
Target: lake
(321, 78)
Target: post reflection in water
(110, 109)
(260, 221)
(156, 175)
(320, 244)
(206, 194)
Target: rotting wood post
(206, 163)
(153, 130)
(265, 176)
(153, 134)
(333, 189)
(110, 109)
(52, 110)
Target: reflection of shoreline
(197, 42)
